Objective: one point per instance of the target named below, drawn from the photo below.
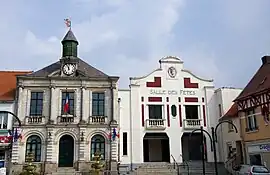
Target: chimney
(266, 60)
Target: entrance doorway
(156, 147)
(191, 148)
(66, 151)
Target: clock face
(172, 72)
(69, 69)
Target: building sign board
(259, 148)
(172, 92)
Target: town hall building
(68, 112)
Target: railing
(34, 119)
(66, 119)
(97, 120)
(175, 165)
(155, 123)
(192, 123)
(231, 163)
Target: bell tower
(69, 60)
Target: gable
(83, 70)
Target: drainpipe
(111, 121)
(130, 129)
(119, 102)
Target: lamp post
(213, 140)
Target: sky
(220, 40)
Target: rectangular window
(155, 111)
(192, 111)
(36, 104)
(229, 149)
(2, 158)
(124, 143)
(98, 103)
(251, 120)
(220, 110)
(230, 127)
(68, 103)
(3, 120)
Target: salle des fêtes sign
(171, 92)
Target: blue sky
(223, 40)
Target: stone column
(83, 99)
(53, 108)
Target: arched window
(33, 145)
(98, 145)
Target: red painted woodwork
(155, 99)
(168, 115)
(156, 83)
(204, 116)
(188, 84)
(191, 99)
(180, 116)
(143, 115)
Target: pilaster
(15, 153)
(50, 146)
(82, 143)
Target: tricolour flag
(66, 105)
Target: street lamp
(11, 132)
(213, 140)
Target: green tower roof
(70, 37)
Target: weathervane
(68, 22)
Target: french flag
(66, 105)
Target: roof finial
(68, 23)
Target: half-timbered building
(253, 110)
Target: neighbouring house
(7, 102)
(69, 113)
(253, 113)
(231, 139)
(223, 105)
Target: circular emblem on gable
(172, 72)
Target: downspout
(130, 129)
(111, 121)
(119, 102)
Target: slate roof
(69, 37)
(260, 81)
(8, 84)
(83, 67)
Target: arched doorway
(66, 151)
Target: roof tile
(8, 84)
(259, 82)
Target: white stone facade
(50, 129)
(167, 86)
